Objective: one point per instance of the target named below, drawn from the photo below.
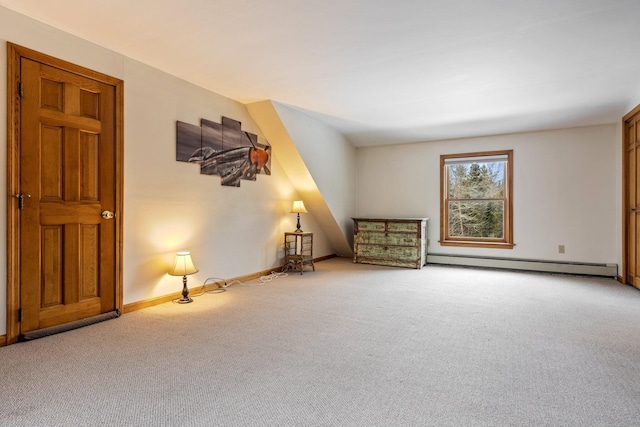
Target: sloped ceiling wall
(320, 163)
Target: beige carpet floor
(347, 345)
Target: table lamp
(183, 267)
(298, 207)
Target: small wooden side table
(298, 251)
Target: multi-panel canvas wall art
(223, 149)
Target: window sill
(477, 244)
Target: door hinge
(20, 315)
(21, 89)
(21, 198)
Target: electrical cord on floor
(223, 284)
(261, 280)
(270, 277)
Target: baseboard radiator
(577, 268)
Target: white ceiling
(385, 71)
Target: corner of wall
(307, 148)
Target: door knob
(108, 214)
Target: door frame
(14, 55)
(625, 196)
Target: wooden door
(632, 198)
(69, 185)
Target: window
(476, 193)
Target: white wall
(566, 190)
(331, 160)
(230, 231)
(618, 191)
(320, 163)
(168, 205)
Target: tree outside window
(476, 199)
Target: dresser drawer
(403, 227)
(371, 226)
(398, 239)
(404, 253)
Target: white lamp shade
(298, 207)
(183, 265)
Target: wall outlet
(560, 249)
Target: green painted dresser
(398, 242)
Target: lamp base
(185, 292)
(298, 230)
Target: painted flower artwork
(223, 149)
